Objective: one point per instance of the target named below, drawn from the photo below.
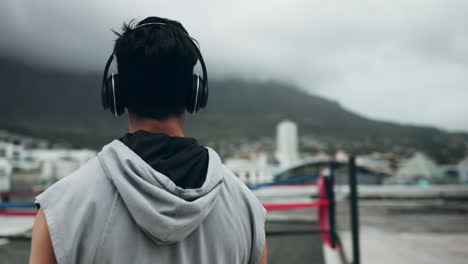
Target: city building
(341, 156)
(374, 162)
(418, 168)
(252, 170)
(287, 152)
(31, 161)
(5, 174)
(340, 172)
(58, 163)
(463, 171)
(321, 156)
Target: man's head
(155, 65)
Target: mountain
(64, 106)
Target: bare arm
(41, 246)
(263, 259)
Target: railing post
(331, 206)
(353, 199)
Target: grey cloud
(401, 60)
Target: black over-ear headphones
(111, 93)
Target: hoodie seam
(106, 171)
(106, 226)
(109, 218)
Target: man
(153, 196)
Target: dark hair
(155, 65)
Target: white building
(419, 167)
(287, 144)
(374, 163)
(5, 174)
(11, 151)
(341, 156)
(80, 155)
(252, 170)
(463, 171)
(320, 157)
(18, 156)
(6, 150)
(58, 163)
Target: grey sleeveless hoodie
(118, 209)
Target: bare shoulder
(41, 245)
(263, 259)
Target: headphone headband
(149, 24)
(192, 41)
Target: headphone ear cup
(119, 108)
(109, 94)
(113, 97)
(203, 93)
(193, 98)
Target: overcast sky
(398, 60)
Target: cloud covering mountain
(401, 60)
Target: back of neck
(172, 126)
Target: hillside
(65, 106)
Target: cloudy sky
(399, 60)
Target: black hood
(183, 160)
